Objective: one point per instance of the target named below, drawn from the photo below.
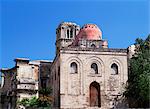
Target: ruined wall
(23, 80)
(45, 69)
(8, 87)
(27, 77)
(26, 94)
(25, 71)
(36, 73)
(6, 76)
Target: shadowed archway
(95, 99)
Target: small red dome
(89, 32)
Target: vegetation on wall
(43, 102)
(138, 89)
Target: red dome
(89, 32)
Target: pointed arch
(74, 67)
(94, 68)
(99, 62)
(94, 93)
(114, 68)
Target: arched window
(74, 68)
(93, 46)
(68, 33)
(71, 33)
(114, 68)
(75, 32)
(94, 68)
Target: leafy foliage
(43, 101)
(45, 91)
(45, 98)
(24, 102)
(137, 90)
(33, 102)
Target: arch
(74, 87)
(68, 33)
(114, 80)
(94, 93)
(71, 33)
(99, 62)
(77, 61)
(73, 67)
(94, 68)
(93, 46)
(117, 62)
(114, 68)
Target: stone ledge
(94, 49)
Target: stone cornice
(95, 49)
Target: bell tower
(65, 34)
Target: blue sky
(28, 26)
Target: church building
(85, 73)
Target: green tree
(45, 97)
(138, 90)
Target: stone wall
(55, 82)
(75, 87)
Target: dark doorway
(95, 99)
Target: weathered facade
(23, 81)
(85, 72)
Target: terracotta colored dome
(89, 32)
